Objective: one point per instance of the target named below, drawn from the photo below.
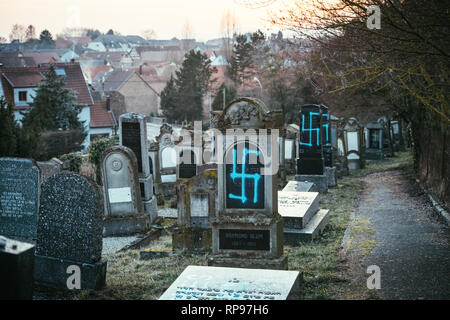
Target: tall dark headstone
(16, 269)
(310, 159)
(19, 197)
(326, 137)
(70, 229)
(133, 135)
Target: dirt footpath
(396, 229)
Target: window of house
(22, 96)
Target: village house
(18, 87)
(136, 94)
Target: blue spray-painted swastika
(310, 130)
(326, 126)
(243, 176)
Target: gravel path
(412, 244)
(114, 244)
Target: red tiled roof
(74, 80)
(43, 57)
(23, 79)
(100, 116)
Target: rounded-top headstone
(70, 220)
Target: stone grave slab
(312, 230)
(16, 269)
(19, 197)
(297, 208)
(220, 283)
(300, 186)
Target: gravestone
(49, 168)
(70, 232)
(247, 230)
(310, 162)
(300, 186)
(330, 169)
(167, 160)
(353, 133)
(16, 269)
(19, 198)
(297, 208)
(377, 140)
(301, 216)
(216, 283)
(197, 204)
(122, 195)
(133, 135)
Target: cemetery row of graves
(249, 200)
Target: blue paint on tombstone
(246, 181)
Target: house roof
(25, 79)
(43, 57)
(16, 59)
(100, 116)
(32, 76)
(116, 79)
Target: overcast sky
(166, 17)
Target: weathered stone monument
(19, 198)
(326, 136)
(247, 231)
(310, 162)
(155, 170)
(123, 205)
(167, 160)
(301, 215)
(133, 134)
(49, 168)
(70, 233)
(354, 142)
(197, 204)
(300, 186)
(377, 140)
(16, 269)
(338, 145)
(216, 283)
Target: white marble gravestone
(218, 283)
(297, 208)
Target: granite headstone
(19, 197)
(70, 231)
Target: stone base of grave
(52, 272)
(124, 226)
(330, 172)
(354, 164)
(321, 181)
(148, 254)
(280, 263)
(312, 230)
(151, 208)
(190, 239)
(374, 154)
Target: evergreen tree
(183, 96)
(248, 53)
(46, 39)
(9, 130)
(169, 98)
(53, 109)
(230, 95)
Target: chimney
(72, 60)
(108, 103)
(140, 70)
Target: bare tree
(18, 32)
(149, 34)
(229, 28)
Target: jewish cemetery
(242, 165)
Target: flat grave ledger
(220, 283)
(297, 208)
